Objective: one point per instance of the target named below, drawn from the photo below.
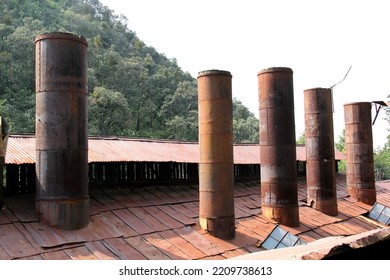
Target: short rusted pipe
(279, 193)
(62, 198)
(359, 152)
(216, 176)
(320, 155)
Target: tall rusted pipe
(4, 128)
(359, 152)
(320, 155)
(216, 177)
(62, 198)
(279, 194)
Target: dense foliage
(133, 89)
(382, 156)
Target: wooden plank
(33, 258)
(246, 237)
(306, 236)
(95, 207)
(193, 209)
(147, 249)
(346, 230)
(3, 218)
(257, 229)
(323, 233)
(312, 234)
(251, 204)
(138, 200)
(235, 253)
(163, 192)
(176, 214)
(116, 195)
(122, 249)
(239, 213)
(99, 227)
(56, 255)
(4, 255)
(150, 197)
(224, 245)
(164, 218)
(23, 230)
(15, 243)
(148, 219)
(100, 251)
(23, 207)
(296, 230)
(121, 228)
(132, 221)
(180, 194)
(350, 209)
(167, 247)
(182, 244)
(104, 199)
(11, 216)
(309, 216)
(334, 230)
(80, 253)
(189, 212)
(366, 225)
(198, 241)
(214, 258)
(253, 248)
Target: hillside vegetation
(133, 90)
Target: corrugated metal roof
(21, 150)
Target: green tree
(301, 139)
(382, 155)
(154, 96)
(109, 113)
(180, 111)
(245, 124)
(340, 146)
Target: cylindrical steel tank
(216, 176)
(279, 194)
(359, 152)
(62, 198)
(320, 155)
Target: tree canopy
(132, 89)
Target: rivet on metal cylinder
(359, 152)
(216, 176)
(320, 155)
(279, 193)
(62, 198)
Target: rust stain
(320, 154)
(359, 152)
(216, 176)
(277, 146)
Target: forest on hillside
(133, 90)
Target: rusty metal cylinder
(62, 198)
(359, 152)
(279, 193)
(216, 175)
(4, 128)
(320, 155)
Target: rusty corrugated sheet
(21, 150)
